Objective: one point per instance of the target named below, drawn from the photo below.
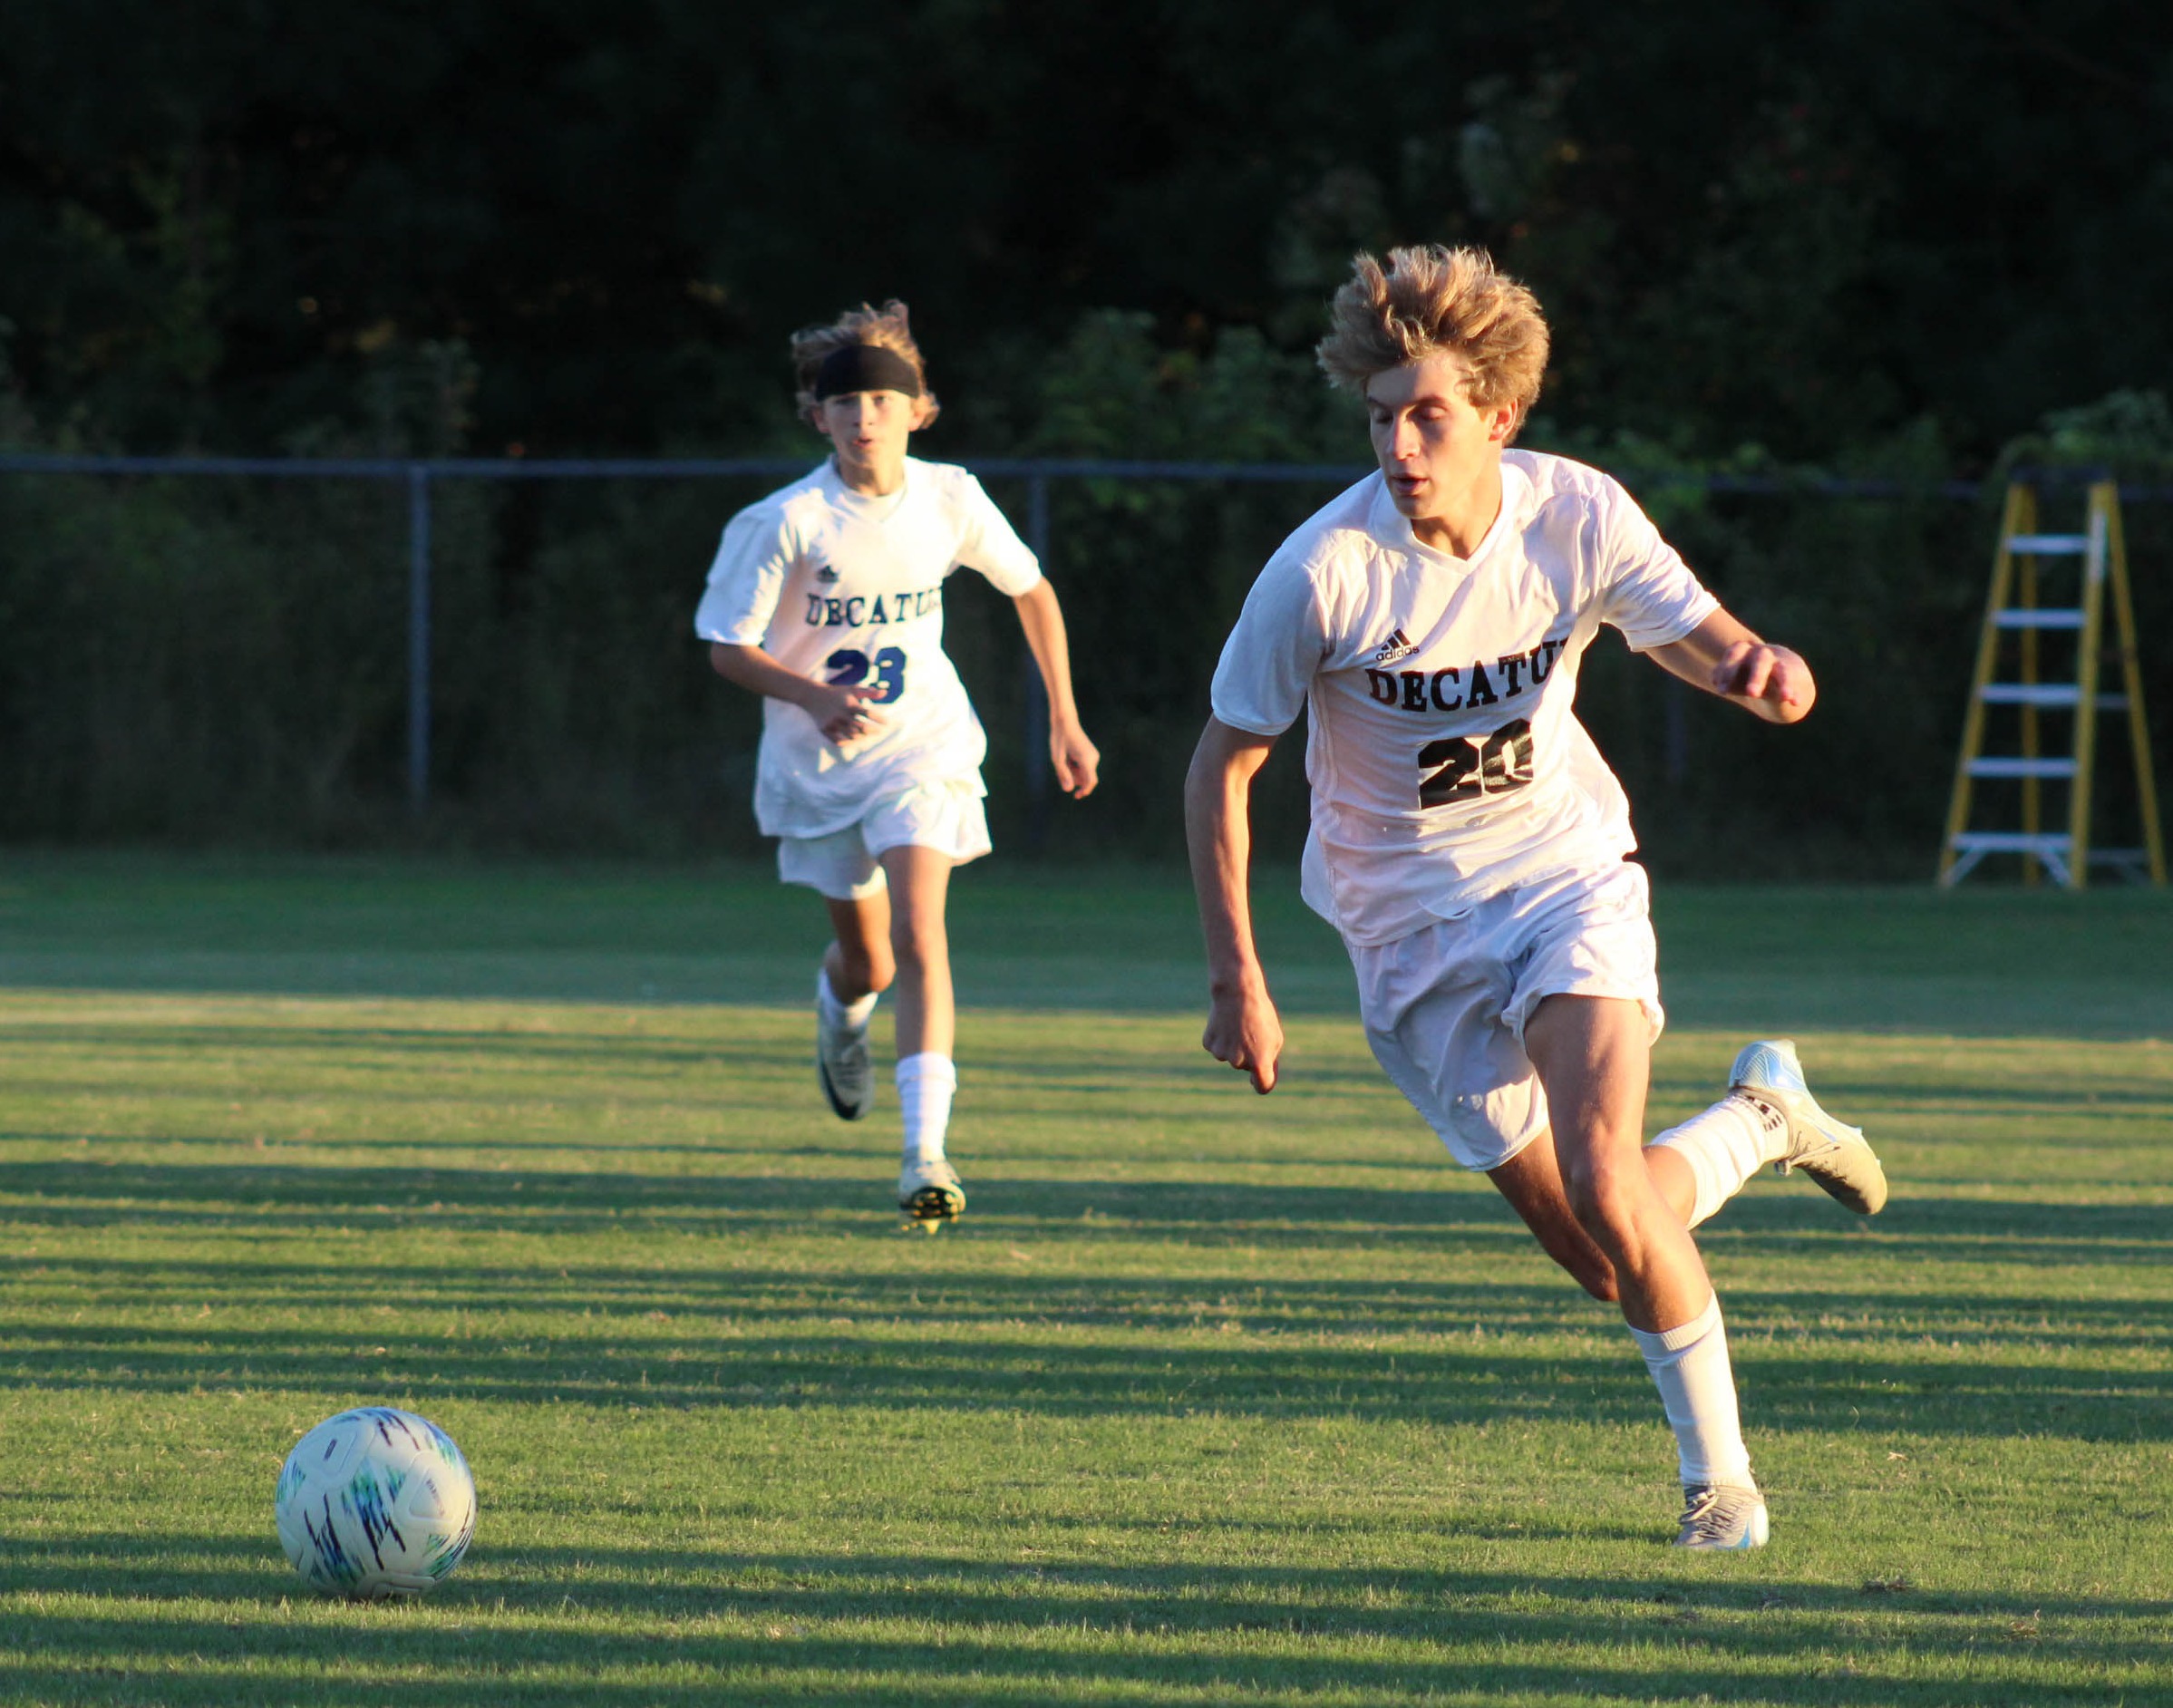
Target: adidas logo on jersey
(1397, 645)
(824, 574)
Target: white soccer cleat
(930, 1191)
(1721, 1519)
(843, 1067)
(1767, 1075)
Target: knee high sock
(852, 1017)
(1697, 1389)
(1725, 1145)
(925, 1083)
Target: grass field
(1211, 1399)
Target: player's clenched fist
(843, 714)
(1076, 761)
(1776, 681)
(1245, 1031)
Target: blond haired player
(1468, 842)
(827, 599)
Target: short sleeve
(1646, 590)
(1273, 653)
(746, 579)
(987, 541)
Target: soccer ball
(374, 1503)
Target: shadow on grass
(840, 1627)
(1444, 1352)
(1265, 1376)
(1206, 1211)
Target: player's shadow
(672, 1626)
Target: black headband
(865, 367)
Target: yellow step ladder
(2101, 555)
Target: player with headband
(1470, 843)
(826, 598)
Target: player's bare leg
(928, 1189)
(858, 960)
(1531, 1181)
(855, 968)
(1592, 1057)
(920, 884)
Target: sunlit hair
(886, 326)
(1432, 301)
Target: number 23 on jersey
(848, 668)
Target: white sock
(1725, 1145)
(925, 1083)
(1697, 1390)
(852, 1017)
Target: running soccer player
(1470, 843)
(826, 598)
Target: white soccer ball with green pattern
(376, 1502)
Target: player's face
(868, 430)
(1435, 446)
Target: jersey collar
(860, 503)
(1391, 527)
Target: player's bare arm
(1076, 761)
(843, 714)
(1722, 656)
(1243, 1028)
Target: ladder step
(2046, 694)
(2021, 768)
(2120, 857)
(2011, 842)
(2051, 695)
(2036, 616)
(2049, 545)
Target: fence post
(417, 637)
(1037, 694)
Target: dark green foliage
(1800, 226)
(197, 659)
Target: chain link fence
(499, 654)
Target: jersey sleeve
(987, 541)
(744, 582)
(1273, 653)
(1646, 590)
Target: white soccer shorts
(1445, 1007)
(944, 816)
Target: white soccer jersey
(839, 585)
(1446, 762)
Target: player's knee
(1601, 1197)
(869, 966)
(919, 945)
